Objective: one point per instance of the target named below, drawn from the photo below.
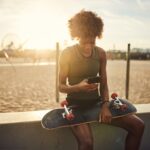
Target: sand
(27, 87)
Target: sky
(39, 24)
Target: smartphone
(93, 79)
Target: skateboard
(68, 116)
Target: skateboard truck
(68, 112)
(117, 103)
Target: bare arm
(105, 115)
(63, 86)
(103, 74)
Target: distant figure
(85, 59)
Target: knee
(141, 126)
(138, 127)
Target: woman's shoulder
(69, 49)
(68, 52)
(101, 51)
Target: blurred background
(34, 32)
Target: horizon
(39, 24)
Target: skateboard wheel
(70, 117)
(64, 103)
(114, 95)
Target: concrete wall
(30, 135)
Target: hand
(105, 115)
(86, 87)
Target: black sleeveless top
(80, 68)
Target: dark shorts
(83, 103)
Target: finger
(108, 119)
(94, 85)
(103, 120)
(92, 89)
(100, 119)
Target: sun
(43, 28)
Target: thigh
(82, 132)
(128, 122)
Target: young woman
(83, 60)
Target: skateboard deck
(56, 119)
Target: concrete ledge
(20, 117)
(23, 131)
(32, 116)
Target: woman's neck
(85, 52)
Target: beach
(31, 86)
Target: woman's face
(88, 43)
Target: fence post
(128, 72)
(57, 59)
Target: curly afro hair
(85, 24)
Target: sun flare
(43, 28)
